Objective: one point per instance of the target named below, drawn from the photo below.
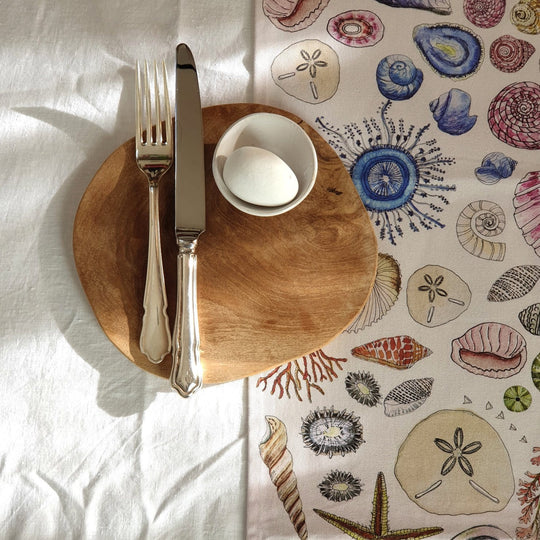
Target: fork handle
(186, 374)
(155, 339)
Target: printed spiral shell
(484, 13)
(278, 459)
(509, 54)
(397, 77)
(514, 115)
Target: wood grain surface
(270, 289)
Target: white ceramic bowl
(279, 135)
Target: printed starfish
(378, 530)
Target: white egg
(258, 176)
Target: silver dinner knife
(190, 221)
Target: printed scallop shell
(399, 352)
(509, 54)
(383, 295)
(514, 283)
(293, 15)
(491, 349)
(527, 209)
(276, 456)
(484, 13)
(530, 319)
(407, 396)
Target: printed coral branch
(529, 497)
(311, 369)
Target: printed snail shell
(509, 54)
(527, 209)
(525, 15)
(476, 224)
(530, 319)
(451, 112)
(491, 349)
(484, 13)
(397, 77)
(495, 166)
(514, 283)
(278, 459)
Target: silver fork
(154, 156)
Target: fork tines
(147, 112)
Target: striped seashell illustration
(477, 222)
(484, 13)
(535, 371)
(525, 15)
(509, 54)
(514, 283)
(278, 459)
(293, 15)
(397, 77)
(399, 352)
(407, 396)
(527, 209)
(383, 295)
(491, 349)
(530, 319)
(513, 115)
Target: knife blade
(190, 221)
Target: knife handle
(186, 373)
(155, 338)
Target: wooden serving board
(270, 289)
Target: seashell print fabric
(422, 417)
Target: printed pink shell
(510, 54)
(491, 349)
(356, 28)
(514, 115)
(484, 13)
(527, 209)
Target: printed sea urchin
(363, 387)
(340, 486)
(328, 432)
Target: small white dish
(279, 135)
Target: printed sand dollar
(454, 462)
(436, 295)
(307, 70)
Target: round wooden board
(270, 289)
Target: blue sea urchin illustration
(327, 431)
(398, 175)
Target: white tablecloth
(91, 446)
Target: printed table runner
(423, 417)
